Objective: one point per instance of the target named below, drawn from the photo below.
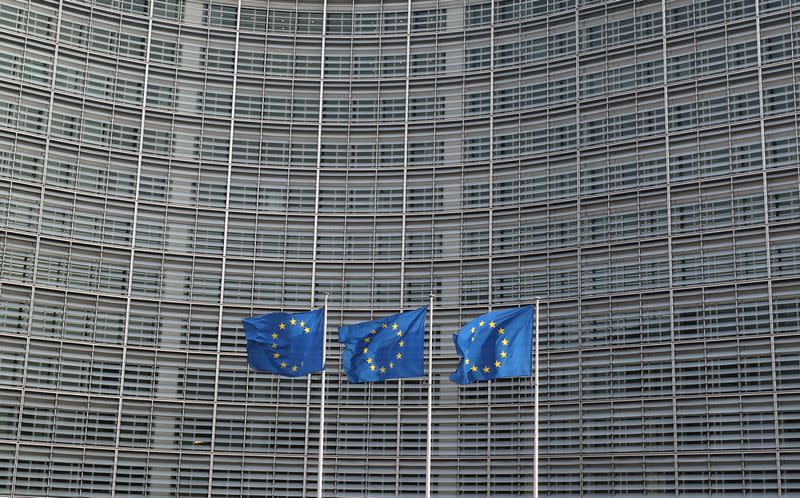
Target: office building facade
(168, 167)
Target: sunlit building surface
(170, 166)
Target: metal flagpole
(322, 399)
(536, 403)
(430, 404)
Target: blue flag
(287, 344)
(494, 346)
(387, 348)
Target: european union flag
(495, 345)
(386, 348)
(287, 344)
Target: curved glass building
(168, 167)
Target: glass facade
(170, 166)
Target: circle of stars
(294, 324)
(503, 345)
(400, 343)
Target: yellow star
(274, 346)
(372, 367)
(292, 321)
(374, 331)
(505, 342)
(399, 333)
(473, 330)
(384, 325)
(366, 350)
(394, 327)
(282, 326)
(383, 370)
(503, 354)
(302, 324)
(466, 361)
(366, 339)
(276, 355)
(369, 360)
(283, 364)
(399, 356)
(401, 343)
(486, 370)
(294, 368)
(274, 335)
(497, 364)
(391, 364)
(501, 331)
(481, 323)
(308, 330)
(474, 368)
(491, 324)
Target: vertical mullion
(37, 245)
(319, 151)
(770, 305)
(224, 250)
(665, 66)
(489, 299)
(128, 297)
(126, 324)
(403, 232)
(578, 237)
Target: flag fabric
(288, 344)
(386, 348)
(495, 345)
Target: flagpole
(322, 400)
(536, 403)
(430, 403)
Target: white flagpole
(430, 404)
(322, 400)
(536, 403)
